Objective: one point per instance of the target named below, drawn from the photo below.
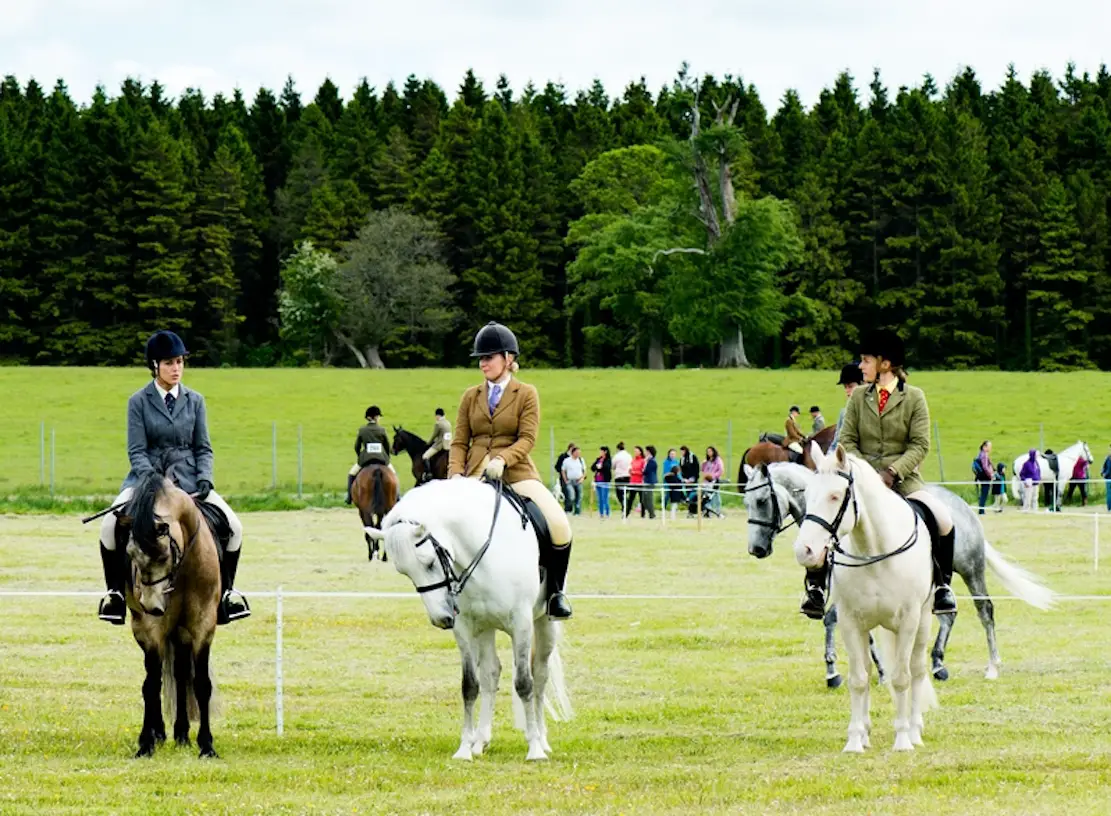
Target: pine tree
(393, 171)
(18, 289)
(328, 102)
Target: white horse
(1055, 483)
(476, 567)
(882, 577)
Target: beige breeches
(558, 524)
(940, 511)
(355, 469)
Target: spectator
(636, 480)
(713, 470)
(1030, 475)
(574, 470)
(983, 472)
(651, 479)
(603, 477)
(559, 465)
(999, 487)
(819, 420)
(688, 465)
(1079, 479)
(1106, 472)
(852, 378)
(675, 492)
(671, 461)
(622, 464)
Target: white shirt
(622, 464)
(573, 469)
(176, 390)
(500, 384)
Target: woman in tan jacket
(887, 423)
(495, 432)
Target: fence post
(940, 461)
(273, 455)
(1095, 542)
(300, 462)
(42, 452)
(729, 449)
(698, 494)
(52, 461)
(279, 707)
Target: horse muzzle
(444, 621)
(811, 553)
(759, 550)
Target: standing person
(983, 472)
(573, 472)
(999, 486)
(622, 465)
(888, 425)
(603, 477)
(636, 480)
(818, 419)
(794, 435)
(167, 431)
(1106, 473)
(713, 471)
(495, 432)
(851, 378)
(1079, 479)
(441, 439)
(559, 474)
(651, 479)
(1031, 475)
(688, 466)
(671, 461)
(372, 447)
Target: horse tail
(377, 476)
(169, 687)
(1024, 585)
(557, 701)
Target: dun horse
(423, 470)
(375, 492)
(173, 592)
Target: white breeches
(796, 447)
(108, 523)
(941, 513)
(355, 469)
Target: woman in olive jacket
(888, 425)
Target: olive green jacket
(899, 439)
(372, 445)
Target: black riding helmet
(850, 374)
(373, 412)
(164, 345)
(886, 344)
(494, 338)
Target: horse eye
(162, 529)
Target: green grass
(87, 409)
(682, 706)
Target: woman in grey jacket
(167, 430)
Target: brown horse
(173, 591)
(375, 492)
(765, 453)
(423, 470)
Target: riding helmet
(439, 412)
(850, 374)
(494, 338)
(164, 345)
(373, 412)
(886, 344)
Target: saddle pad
(217, 524)
(529, 512)
(924, 513)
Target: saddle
(530, 513)
(217, 524)
(924, 513)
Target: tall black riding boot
(944, 600)
(557, 562)
(350, 481)
(233, 605)
(113, 608)
(815, 582)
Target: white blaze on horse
(882, 576)
(475, 563)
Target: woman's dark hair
(621, 446)
(684, 449)
(639, 450)
(985, 442)
(652, 450)
(711, 452)
(605, 449)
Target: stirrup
(233, 606)
(558, 607)
(113, 608)
(814, 604)
(944, 600)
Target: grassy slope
(682, 706)
(87, 408)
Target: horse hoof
(853, 746)
(183, 741)
(535, 755)
(477, 748)
(992, 673)
(144, 751)
(903, 743)
(941, 673)
(833, 682)
(463, 754)
(208, 753)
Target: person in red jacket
(636, 479)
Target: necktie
(884, 396)
(495, 394)
(170, 400)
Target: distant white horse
(1055, 483)
(882, 576)
(475, 564)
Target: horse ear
(749, 470)
(816, 454)
(842, 456)
(124, 521)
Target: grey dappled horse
(972, 552)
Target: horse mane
(151, 487)
(410, 440)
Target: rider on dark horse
(372, 447)
(887, 423)
(441, 441)
(167, 430)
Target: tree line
(681, 227)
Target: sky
(774, 44)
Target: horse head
(764, 509)
(156, 542)
(398, 446)
(426, 561)
(831, 505)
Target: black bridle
(177, 556)
(776, 524)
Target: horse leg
(833, 678)
(183, 674)
(465, 641)
(522, 680)
(202, 687)
(489, 673)
(153, 724)
(978, 588)
(901, 679)
(547, 637)
(921, 690)
(945, 623)
(856, 645)
(881, 675)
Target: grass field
(86, 408)
(682, 706)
